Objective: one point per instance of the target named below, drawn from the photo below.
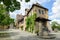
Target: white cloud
(18, 0)
(56, 10)
(26, 5)
(13, 14)
(58, 21)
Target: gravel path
(22, 35)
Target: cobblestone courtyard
(22, 35)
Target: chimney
(26, 10)
(37, 4)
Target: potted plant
(37, 32)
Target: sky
(52, 5)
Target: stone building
(42, 26)
(42, 21)
(19, 21)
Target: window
(43, 12)
(39, 11)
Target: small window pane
(43, 11)
(39, 11)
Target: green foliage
(7, 21)
(27, 0)
(4, 17)
(5, 8)
(12, 5)
(30, 22)
(55, 25)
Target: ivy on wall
(30, 22)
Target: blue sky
(52, 5)
(48, 5)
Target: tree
(4, 17)
(55, 25)
(27, 0)
(12, 5)
(5, 8)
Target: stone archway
(41, 25)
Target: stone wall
(3, 27)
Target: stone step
(8, 34)
(48, 37)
